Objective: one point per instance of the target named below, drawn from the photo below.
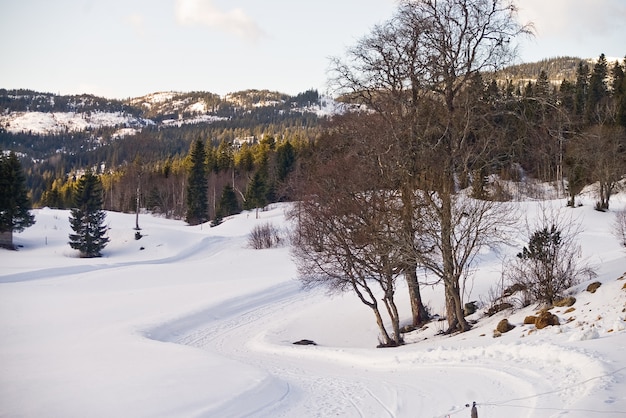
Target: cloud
(137, 23)
(204, 12)
(574, 18)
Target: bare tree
(416, 72)
(347, 234)
(607, 159)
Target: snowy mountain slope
(56, 122)
(46, 114)
(189, 321)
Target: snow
(190, 321)
(44, 123)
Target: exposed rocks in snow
(545, 319)
(593, 287)
(504, 326)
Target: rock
(568, 301)
(546, 318)
(593, 287)
(498, 307)
(305, 342)
(504, 326)
(530, 320)
(470, 308)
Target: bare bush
(264, 236)
(620, 227)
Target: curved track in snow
(315, 381)
(249, 315)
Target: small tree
(14, 202)
(256, 193)
(549, 265)
(228, 202)
(197, 186)
(87, 217)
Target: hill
(26, 111)
(190, 321)
(557, 69)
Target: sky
(128, 48)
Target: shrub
(620, 227)
(264, 236)
(549, 265)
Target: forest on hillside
(562, 123)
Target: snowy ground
(189, 322)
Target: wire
(556, 390)
(537, 395)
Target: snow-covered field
(190, 322)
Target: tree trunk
(419, 313)
(381, 326)
(418, 310)
(454, 310)
(6, 240)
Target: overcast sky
(128, 48)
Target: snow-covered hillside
(189, 321)
(46, 123)
(166, 108)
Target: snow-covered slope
(189, 321)
(45, 123)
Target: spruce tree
(619, 91)
(598, 89)
(14, 202)
(197, 186)
(256, 193)
(87, 217)
(581, 88)
(228, 202)
(285, 160)
(228, 205)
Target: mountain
(23, 111)
(557, 69)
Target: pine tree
(619, 91)
(543, 87)
(256, 193)
(285, 160)
(567, 93)
(598, 89)
(228, 202)
(228, 205)
(14, 202)
(87, 217)
(197, 186)
(581, 88)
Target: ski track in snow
(214, 244)
(312, 377)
